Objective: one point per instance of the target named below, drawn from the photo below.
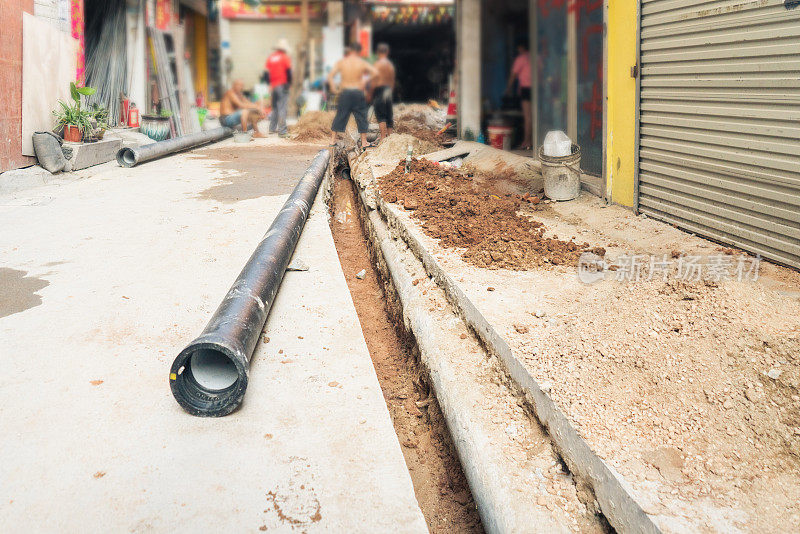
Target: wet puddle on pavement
(18, 291)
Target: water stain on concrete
(18, 291)
(257, 171)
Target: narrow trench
(439, 482)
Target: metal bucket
(562, 176)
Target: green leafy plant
(73, 115)
(165, 114)
(100, 115)
(76, 93)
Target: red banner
(240, 9)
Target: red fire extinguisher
(133, 116)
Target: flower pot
(72, 133)
(155, 127)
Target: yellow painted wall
(200, 55)
(623, 22)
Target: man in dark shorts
(383, 94)
(352, 99)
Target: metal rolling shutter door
(719, 131)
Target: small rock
(521, 328)
(774, 373)
(361, 274)
(753, 394)
(539, 313)
(410, 443)
(410, 204)
(489, 289)
(546, 387)
(298, 266)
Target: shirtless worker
(384, 91)
(352, 99)
(236, 110)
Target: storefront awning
(257, 10)
(400, 12)
(412, 2)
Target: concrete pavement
(102, 282)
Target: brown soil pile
(313, 126)
(424, 134)
(421, 121)
(461, 213)
(500, 171)
(396, 145)
(420, 116)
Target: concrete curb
(500, 510)
(616, 503)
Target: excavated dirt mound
(396, 145)
(313, 126)
(429, 136)
(419, 116)
(463, 213)
(421, 121)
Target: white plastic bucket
(562, 176)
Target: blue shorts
(233, 120)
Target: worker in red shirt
(278, 73)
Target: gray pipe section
(130, 157)
(209, 377)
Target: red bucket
(500, 137)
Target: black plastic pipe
(209, 377)
(130, 157)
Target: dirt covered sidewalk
(678, 362)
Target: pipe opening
(126, 157)
(207, 381)
(213, 370)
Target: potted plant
(157, 126)
(73, 120)
(99, 118)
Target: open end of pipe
(213, 370)
(207, 382)
(126, 158)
